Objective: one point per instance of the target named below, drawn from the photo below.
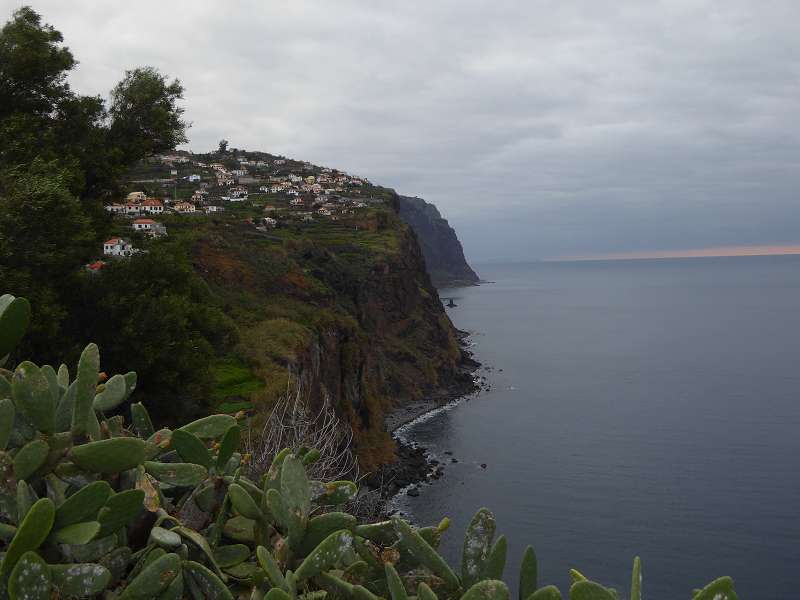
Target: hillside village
(264, 191)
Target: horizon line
(711, 252)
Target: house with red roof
(152, 206)
(143, 224)
(118, 247)
(149, 227)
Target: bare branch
(293, 424)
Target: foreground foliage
(94, 506)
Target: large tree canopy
(62, 155)
(145, 116)
(41, 117)
(33, 65)
(44, 234)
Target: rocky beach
(414, 465)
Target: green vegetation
(170, 325)
(96, 506)
(233, 379)
(63, 155)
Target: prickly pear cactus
(477, 545)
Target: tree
(165, 326)
(41, 117)
(223, 146)
(62, 154)
(44, 234)
(145, 115)
(33, 65)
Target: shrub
(94, 506)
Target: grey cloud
(540, 128)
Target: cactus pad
(29, 458)
(30, 579)
(109, 456)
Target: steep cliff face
(399, 346)
(348, 312)
(444, 256)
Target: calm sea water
(638, 407)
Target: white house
(324, 211)
(213, 209)
(193, 177)
(270, 222)
(237, 195)
(132, 209)
(117, 247)
(296, 202)
(152, 206)
(239, 172)
(143, 224)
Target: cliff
(348, 312)
(327, 292)
(444, 256)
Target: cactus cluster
(94, 506)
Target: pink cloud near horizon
(758, 250)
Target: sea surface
(637, 407)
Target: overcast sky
(539, 128)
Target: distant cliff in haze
(444, 256)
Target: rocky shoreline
(414, 465)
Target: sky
(541, 129)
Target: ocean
(645, 408)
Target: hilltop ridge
(310, 189)
(324, 283)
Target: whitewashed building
(152, 206)
(118, 247)
(143, 225)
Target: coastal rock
(444, 255)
